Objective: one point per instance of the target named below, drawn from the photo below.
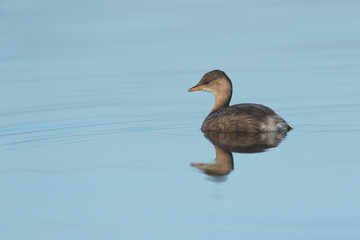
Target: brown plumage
(247, 117)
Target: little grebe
(246, 117)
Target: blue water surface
(98, 131)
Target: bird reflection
(226, 143)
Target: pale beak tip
(196, 88)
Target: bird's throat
(221, 101)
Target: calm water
(98, 131)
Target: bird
(250, 118)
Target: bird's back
(246, 117)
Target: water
(98, 132)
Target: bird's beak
(196, 88)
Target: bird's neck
(222, 99)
